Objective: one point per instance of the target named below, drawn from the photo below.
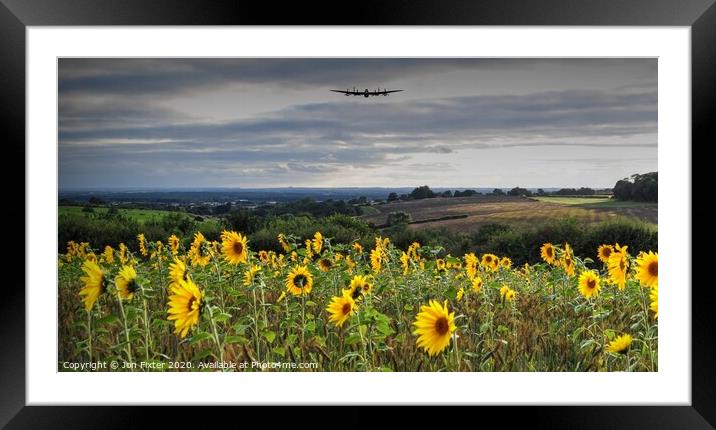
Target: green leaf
(280, 351)
(222, 316)
(199, 337)
(269, 335)
(109, 319)
(352, 339)
(236, 339)
(408, 307)
(202, 354)
(311, 326)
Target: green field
(140, 215)
(596, 202)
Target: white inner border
(670, 385)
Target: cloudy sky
(274, 123)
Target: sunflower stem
(126, 331)
(89, 333)
(219, 346)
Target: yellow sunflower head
(604, 251)
(434, 326)
(142, 244)
(325, 264)
(185, 306)
(506, 262)
(476, 284)
(357, 247)
(299, 281)
(178, 271)
(123, 253)
(620, 345)
(460, 294)
(405, 262)
(95, 283)
(654, 298)
(234, 247)
(618, 266)
(173, 242)
(471, 263)
(548, 253)
(199, 253)
(376, 260)
(317, 242)
(589, 284)
(250, 274)
(647, 269)
(440, 264)
(126, 282)
(282, 241)
(108, 254)
(341, 308)
(490, 261)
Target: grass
(573, 200)
(139, 215)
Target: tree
(392, 197)
(96, 200)
(540, 192)
(400, 217)
(517, 191)
(498, 192)
(422, 192)
(643, 188)
(447, 193)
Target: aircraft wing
(344, 92)
(391, 91)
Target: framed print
(470, 202)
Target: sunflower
(618, 265)
(317, 242)
(376, 260)
(341, 308)
(250, 274)
(350, 263)
(325, 264)
(471, 263)
(490, 261)
(476, 284)
(95, 283)
(355, 289)
(123, 253)
(589, 284)
(108, 254)
(654, 297)
(547, 253)
(604, 251)
(178, 271)
(567, 260)
(413, 251)
(620, 345)
(234, 247)
(90, 256)
(299, 281)
(173, 242)
(126, 282)
(440, 264)
(284, 244)
(434, 326)
(309, 249)
(510, 295)
(358, 248)
(365, 285)
(460, 294)
(184, 306)
(506, 262)
(197, 252)
(405, 262)
(142, 244)
(647, 269)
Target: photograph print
(357, 214)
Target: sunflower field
(201, 305)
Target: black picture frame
(16, 15)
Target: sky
(272, 122)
